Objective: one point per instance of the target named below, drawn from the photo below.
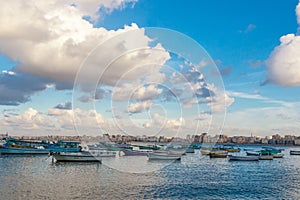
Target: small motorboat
(295, 153)
(266, 157)
(278, 155)
(76, 157)
(136, 152)
(163, 156)
(205, 152)
(218, 154)
(252, 153)
(243, 158)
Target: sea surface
(194, 177)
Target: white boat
(266, 157)
(103, 153)
(294, 152)
(163, 156)
(243, 158)
(76, 157)
(278, 155)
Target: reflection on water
(193, 177)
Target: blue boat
(11, 150)
(16, 146)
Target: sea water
(194, 177)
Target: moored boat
(135, 152)
(252, 153)
(103, 153)
(35, 151)
(266, 157)
(76, 157)
(205, 152)
(163, 156)
(190, 150)
(243, 158)
(295, 152)
(278, 155)
(218, 154)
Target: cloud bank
(283, 64)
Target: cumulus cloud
(68, 119)
(51, 39)
(283, 64)
(30, 119)
(146, 93)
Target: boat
(243, 158)
(266, 157)
(231, 148)
(205, 152)
(218, 154)
(278, 155)
(103, 153)
(75, 157)
(252, 153)
(177, 151)
(163, 156)
(135, 152)
(294, 152)
(190, 150)
(18, 146)
(11, 150)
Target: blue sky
(254, 45)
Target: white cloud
(50, 39)
(140, 106)
(283, 64)
(146, 93)
(298, 13)
(30, 119)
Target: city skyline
(253, 45)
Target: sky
(146, 67)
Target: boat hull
(270, 157)
(295, 153)
(135, 153)
(21, 151)
(278, 155)
(252, 153)
(243, 158)
(218, 154)
(76, 157)
(160, 156)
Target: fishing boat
(231, 148)
(163, 156)
(205, 152)
(18, 146)
(103, 153)
(266, 157)
(76, 157)
(218, 154)
(190, 150)
(278, 155)
(294, 152)
(14, 151)
(136, 152)
(252, 153)
(243, 158)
